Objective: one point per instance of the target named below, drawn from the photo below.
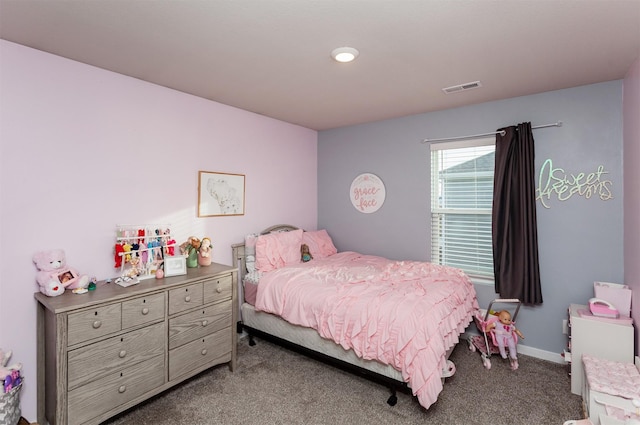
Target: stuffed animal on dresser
(54, 275)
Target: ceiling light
(345, 54)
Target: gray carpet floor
(273, 385)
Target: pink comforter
(403, 313)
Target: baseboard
(541, 354)
(529, 351)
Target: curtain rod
(502, 133)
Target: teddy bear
(54, 275)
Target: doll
(204, 253)
(305, 254)
(190, 249)
(506, 335)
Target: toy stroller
(495, 336)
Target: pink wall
(631, 126)
(83, 149)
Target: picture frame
(66, 276)
(220, 194)
(175, 266)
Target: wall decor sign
(367, 193)
(220, 194)
(557, 182)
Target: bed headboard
(239, 255)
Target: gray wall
(580, 239)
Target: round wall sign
(367, 193)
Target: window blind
(461, 200)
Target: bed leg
(393, 399)
(252, 342)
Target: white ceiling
(272, 56)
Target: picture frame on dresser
(175, 266)
(220, 194)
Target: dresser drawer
(185, 297)
(139, 311)
(89, 363)
(218, 289)
(199, 323)
(94, 323)
(114, 389)
(210, 350)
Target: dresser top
(106, 292)
(575, 312)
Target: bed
(395, 322)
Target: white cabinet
(607, 340)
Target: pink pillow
(320, 243)
(279, 249)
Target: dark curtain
(514, 223)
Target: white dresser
(105, 351)
(602, 339)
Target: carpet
(273, 385)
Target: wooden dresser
(105, 351)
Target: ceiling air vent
(462, 87)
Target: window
(461, 200)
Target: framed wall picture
(220, 194)
(175, 266)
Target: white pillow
(250, 251)
(251, 263)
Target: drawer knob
(97, 324)
(205, 323)
(187, 298)
(218, 289)
(122, 353)
(204, 351)
(145, 311)
(122, 389)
